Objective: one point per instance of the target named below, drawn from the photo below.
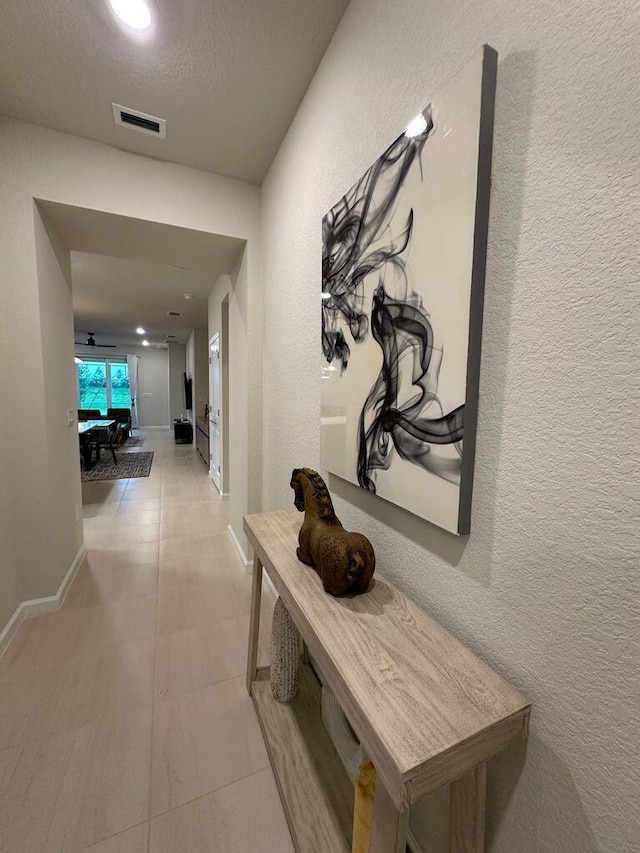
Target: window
(119, 385)
(103, 383)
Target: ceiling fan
(91, 342)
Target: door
(103, 384)
(215, 397)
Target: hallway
(125, 725)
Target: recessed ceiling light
(416, 127)
(145, 343)
(135, 13)
(140, 330)
(188, 295)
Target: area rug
(132, 441)
(129, 465)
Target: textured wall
(232, 341)
(546, 587)
(201, 371)
(197, 351)
(177, 368)
(242, 390)
(190, 356)
(61, 493)
(153, 376)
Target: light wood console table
(426, 709)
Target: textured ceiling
(129, 272)
(227, 76)
(96, 232)
(112, 296)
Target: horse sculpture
(345, 561)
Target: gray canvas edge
(478, 275)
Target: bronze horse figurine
(345, 561)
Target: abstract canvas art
(403, 268)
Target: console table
(426, 709)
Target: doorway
(219, 434)
(215, 405)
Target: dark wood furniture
(95, 434)
(123, 423)
(89, 414)
(202, 440)
(182, 431)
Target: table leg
(390, 824)
(111, 447)
(254, 622)
(467, 811)
(378, 825)
(85, 449)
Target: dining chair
(104, 437)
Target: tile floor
(125, 726)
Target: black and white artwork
(403, 266)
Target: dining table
(86, 432)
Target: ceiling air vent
(173, 313)
(135, 120)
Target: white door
(215, 397)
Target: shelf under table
(316, 792)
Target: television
(187, 392)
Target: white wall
(39, 163)
(200, 372)
(224, 398)
(153, 379)
(220, 302)
(546, 587)
(177, 368)
(197, 351)
(244, 389)
(197, 356)
(59, 494)
(190, 357)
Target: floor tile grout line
(109, 837)
(267, 766)
(153, 710)
(120, 511)
(193, 690)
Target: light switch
(71, 417)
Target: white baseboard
(243, 557)
(224, 496)
(35, 606)
(10, 629)
(153, 427)
(248, 564)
